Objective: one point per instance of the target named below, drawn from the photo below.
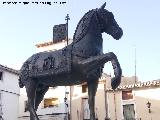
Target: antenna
(135, 63)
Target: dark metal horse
(81, 61)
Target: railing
(133, 119)
(46, 117)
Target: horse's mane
(83, 26)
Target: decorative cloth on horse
(49, 63)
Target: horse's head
(108, 23)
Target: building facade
(103, 101)
(139, 101)
(79, 101)
(52, 107)
(132, 100)
(9, 93)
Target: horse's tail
(24, 72)
(21, 85)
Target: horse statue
(81, 61)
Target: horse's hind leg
(92, 89)
(40, 94)
(31, 92)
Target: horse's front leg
(92, 89)
(95, 62)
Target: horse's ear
(103, 6)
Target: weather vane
(67, 18)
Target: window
(50, 102)
(128, 112)
(84, 88)
(126, 95)
(1, 73)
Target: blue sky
(23, 26)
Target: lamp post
(66, 105)
(67, 18)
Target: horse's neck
(94, 36)
(94, 29)
(91, 43)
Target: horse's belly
(60, 80)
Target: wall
(100, 102)
(10, 106)
(57, 92)
(53, 46)
(9, 95)
(77, 107)
(114, 105)
(76, 104)
(140, 98)
(10, 82)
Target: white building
(52, 107)
(9, 93)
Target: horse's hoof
(115, 82)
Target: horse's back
(46, 64)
